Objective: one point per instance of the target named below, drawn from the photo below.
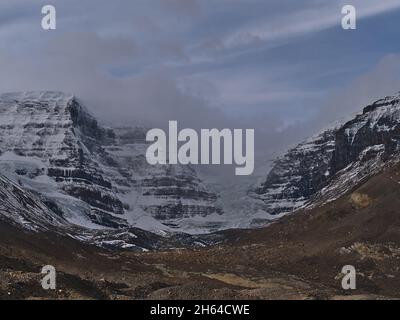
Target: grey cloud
(191, 7)
(85, 47)
(382, 80)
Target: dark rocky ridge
(27, 213)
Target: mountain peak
(36, 106)
(387, 101)
(44, 109)
(36, 95)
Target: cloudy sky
(283, 67)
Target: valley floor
(298, 257)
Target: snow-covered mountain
(25, 211)
(93, 176)
(60, 169)
(333, 162)
(20, 207)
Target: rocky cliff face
(27, 213)
(20, 207)
(91, 175)
(164, 191)
(326, 166)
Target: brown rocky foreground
(299, 257)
